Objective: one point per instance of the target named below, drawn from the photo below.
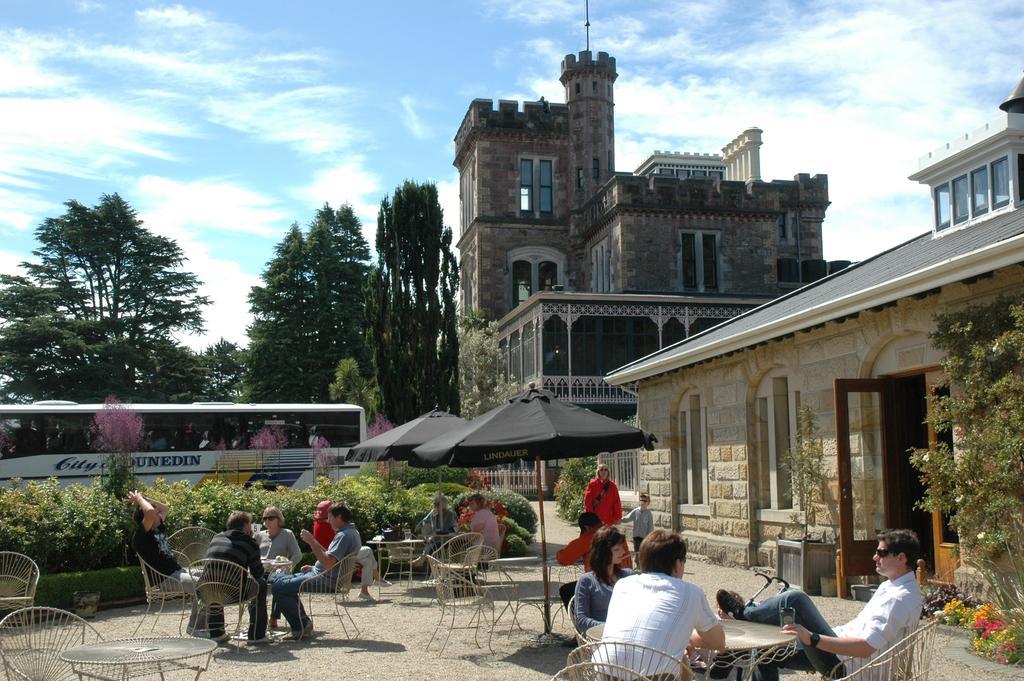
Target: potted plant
(804, 562)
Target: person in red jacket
(322, 529)
(602, 497)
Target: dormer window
(972, 194)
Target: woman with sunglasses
(277, 540)
(608, 553)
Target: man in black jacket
(236, 544)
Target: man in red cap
(322, 529)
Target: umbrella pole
(543, 552)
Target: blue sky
(223, 123)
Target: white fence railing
(624, 469)
(519, 480)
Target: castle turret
(588, 92)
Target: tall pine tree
(309, 313)
(410, 306)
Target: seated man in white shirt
(658, 609)
(892, 613)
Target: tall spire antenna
(586, 10)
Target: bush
(113, 584)
(572, 485)
(451, 490)
(516, 546)
(418, 476)
(84, 528)
(518, 507)
(518, 530)
(71, 528)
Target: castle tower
(589, 96)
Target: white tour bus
(193, 442)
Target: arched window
(532, 269)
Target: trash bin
(85, 603)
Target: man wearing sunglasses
(892, 613)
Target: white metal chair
(338, 583)
(162, 589)
(191, 542)
(458, 594)
(640, 659)
(599, 671)
(31, 640)
(909, 659)
(19, 577)
(221, 583)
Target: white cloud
(537, 12)
(10, 263)
(448, 197)
(172, 17)
(186, 212)
(412, 120)
(307, 118)
(215, 205)
(350, 183)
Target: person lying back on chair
(892, 613)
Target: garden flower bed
(993, 634)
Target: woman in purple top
(594, 588)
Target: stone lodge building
(854, 347)
(588, 268)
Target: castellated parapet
(585, 63)
(512, 116)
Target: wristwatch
(815, 637)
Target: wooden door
(861, 439)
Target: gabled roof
(921, 264)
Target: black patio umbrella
(398, 442)
(533, 426)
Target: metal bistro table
(538, 602)
(125, 658)
(400, 554)
(747, 646)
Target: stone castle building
(855, 348)
(588, 268)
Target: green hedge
(80, 528)
(113, 584)
(450, 489)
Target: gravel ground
(394, 635)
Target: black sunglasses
(882, 553)
(270, 517)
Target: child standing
(642, 519)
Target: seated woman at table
(608, 552)
(277, 540)
(436, 527)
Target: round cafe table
(747, 645)
(400, 554)
(125, 658)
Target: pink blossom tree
(268, 439)
(322, 459)
(379, 424)
(118, 430)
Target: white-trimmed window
(692, 453)
(972, 194)
(601, 279)
(467, 197)
(699, 260)
(774, 413)
(536, 186)
(532, 269)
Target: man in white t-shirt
(892, 613)
(658, 609)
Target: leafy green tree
(351, 386)
(482, 381)
(981, 484)
(410, 305)
(99, 310)
(308, 314)
(224, 365)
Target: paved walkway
(402, 631)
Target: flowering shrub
(118, 430)
(380, 424)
